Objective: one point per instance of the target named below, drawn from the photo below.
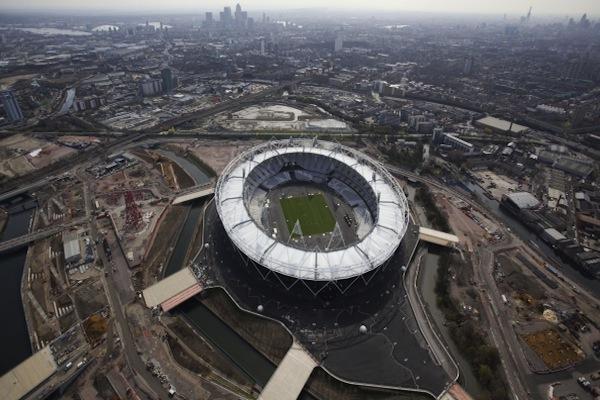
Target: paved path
(290, 376)
(436, 346)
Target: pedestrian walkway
(290, 376)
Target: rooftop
(501, 124)
(367, 254)
(523, 200)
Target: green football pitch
(312, 211)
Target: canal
(238, 350)
(426, 283)
(14, 337)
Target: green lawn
(312, 212)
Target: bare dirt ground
(49, 155)
(148, 189)
(498, 185)
(217, 153)
(17, 158)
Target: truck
(504, 299)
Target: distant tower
(339, 43)
(226, 17)
(262, 47)
(208, 19)
(529, 13)
(468, 67)
(167, 80)
(11, 106)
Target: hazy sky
(570, 7)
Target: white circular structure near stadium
(312, 211)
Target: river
(14, 337)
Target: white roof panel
(376, 247)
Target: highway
(25, 188)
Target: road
(129, 347)
(25, 188)
(513, 360)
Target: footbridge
(37, 235)
(437, 237)
(196, 192)
(290, 376)
(173, 290)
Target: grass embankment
(469, 336)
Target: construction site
(277, 118)
(556, 332)
(82, 285)
(134, 198)
(21, 154)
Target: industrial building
(442, 139)
(520, 200)
(71, 247)
(498, 125)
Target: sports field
(312, 211)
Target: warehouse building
(71, 247)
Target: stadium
(311, 212)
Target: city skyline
(540, 7)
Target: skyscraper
(167, 80)
(208, 19)
(241, 17)
(226, 17)
(262, 46)
(339, 43)
(11, 106)
(468, 66)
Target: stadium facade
(348, 219)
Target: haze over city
(300, 200)
(543, 7)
